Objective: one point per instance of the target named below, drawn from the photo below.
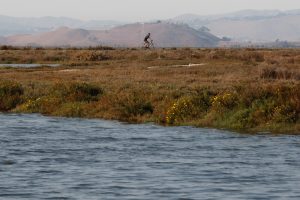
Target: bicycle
(149, 45)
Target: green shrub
(202, 100)
(189, 107)
(71, 109)
(10, 95)
(224, 101)
(263, 109)
(284, 113)
(59, 94)
(44, 105)
(77, 92)
(131, 105)
(241, 119)
(180, 110)
(84, 92)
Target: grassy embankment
(248, 90)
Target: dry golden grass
(222, 68)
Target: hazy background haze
(134, 10)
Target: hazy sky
(134, 10)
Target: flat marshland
(248, 90)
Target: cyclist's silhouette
(147, 43)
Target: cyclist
(146, 42)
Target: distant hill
(20, 25)
(163, 34)
(61, 37)
(252, 25)
(241, 26)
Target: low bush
(76, 92)
(179, 111)
(189, 107)
(241, 119)
(244, 107)
(7, 47)
(275, 73)
(285, 113)
(71, 109)
(129, 106)
(11, 94)
(251, 56)
(61, 98)
(91, 56)
(45, 105)
(224, 101)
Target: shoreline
(203, 110)
(236, 131)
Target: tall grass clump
(91, 56)
(64, 99)
(11, 94)
(131, 105)
(242, 108)
(79, 91)
(277, 73)
(189, 108)
(263, 106)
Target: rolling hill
(22, 25)
(249, 25)
(131, 35)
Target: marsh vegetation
(241, 89)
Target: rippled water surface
(59, 158)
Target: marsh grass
(11, 94)
(244, 89)
(277, 73)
